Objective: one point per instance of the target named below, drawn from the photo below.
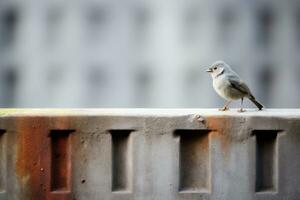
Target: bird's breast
(223, 87)
(220, 86)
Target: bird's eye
(215, 68)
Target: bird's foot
(223, 109)
(241, 110)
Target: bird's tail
(259, 105)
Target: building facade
(136, 53)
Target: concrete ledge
(165, 154)
(145, 112)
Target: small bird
(229, 85)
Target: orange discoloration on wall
(60, 123)
(221, 127)
(33, 160)
(30, 133)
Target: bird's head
(218, 68)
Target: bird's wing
(240, 86)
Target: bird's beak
(209, 70)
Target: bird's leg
(225, 106)
(241, 109)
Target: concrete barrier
(149, 154)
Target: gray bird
(229, 85)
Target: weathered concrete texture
(149, 154)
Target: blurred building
(133, 53)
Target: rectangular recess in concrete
(60, 160)
(194, 161)
(121, 160)
(3, 161)
(266, 160)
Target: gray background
(134, 53)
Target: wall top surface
(147, 112)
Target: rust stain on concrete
(34, 157)
(221, 127)
(30, 134)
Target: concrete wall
(149, 154)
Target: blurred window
(227, 22)
(8, 84)
(95, 76)
(192, 85)
(96, 80)
(297, 24)
(96, 17)
(141, 20)
(8, 24)
(265, 20)
(143, 81)
(55, 76)
(266, 76)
